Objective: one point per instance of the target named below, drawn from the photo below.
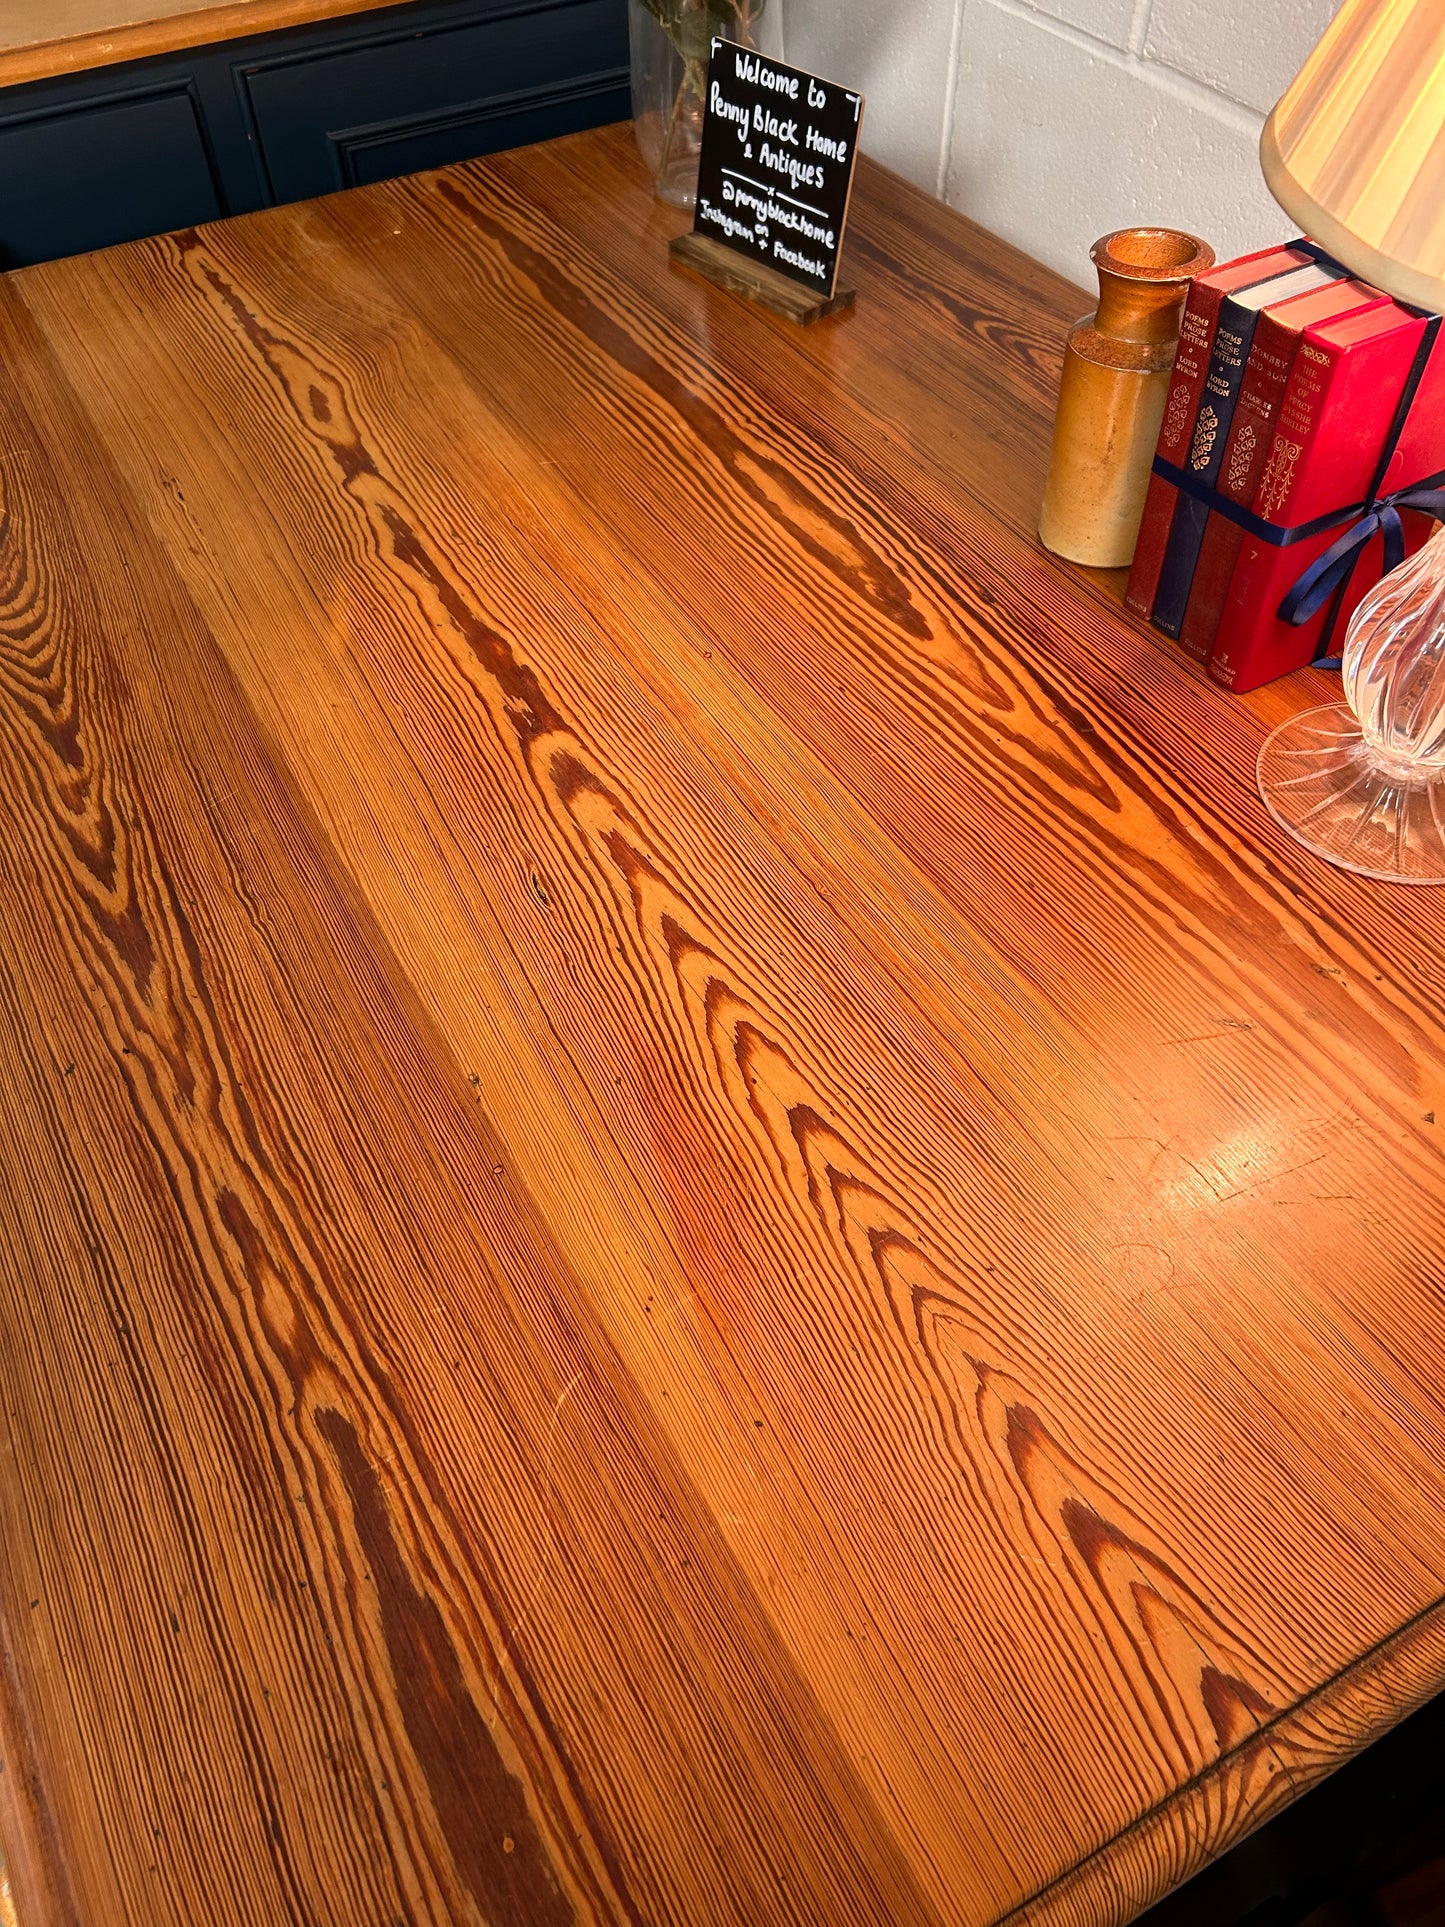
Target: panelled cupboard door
(402, 99)
(132, 163)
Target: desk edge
(1247, 1785)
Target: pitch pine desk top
(700, 1225)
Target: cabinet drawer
(397, 101)
(83, 177)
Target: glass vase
(1364, 786)
(670, 41)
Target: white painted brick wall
(1052, 121)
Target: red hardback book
(1346, 382)
(1191, 365)
(1271, 358)
(1419, 454)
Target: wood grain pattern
(702, 1225)
(42, 38)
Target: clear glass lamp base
(1320, 782)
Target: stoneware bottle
(1111, 397)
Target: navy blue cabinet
(93, 158)
(404, 99)
(75, 176)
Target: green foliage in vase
(692, 25)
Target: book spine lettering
(1239, 659)
(1245, 454)
(1232, 339)
(1191, 366)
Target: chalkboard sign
(778, 148)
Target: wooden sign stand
(700, 254)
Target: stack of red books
(1300, 398)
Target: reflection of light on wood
(7, 1901)
(1247, 1157)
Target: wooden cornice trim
(164, 32)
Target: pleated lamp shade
(1355, 150)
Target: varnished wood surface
(700, 1223)
(41, 38)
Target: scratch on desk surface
(549, 1543)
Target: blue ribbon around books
(1327, 576)
(1329, 573)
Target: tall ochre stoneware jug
(1111, 397)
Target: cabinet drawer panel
(498, 78)
(86, 177)
(483, 127)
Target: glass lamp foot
(1320, 782)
